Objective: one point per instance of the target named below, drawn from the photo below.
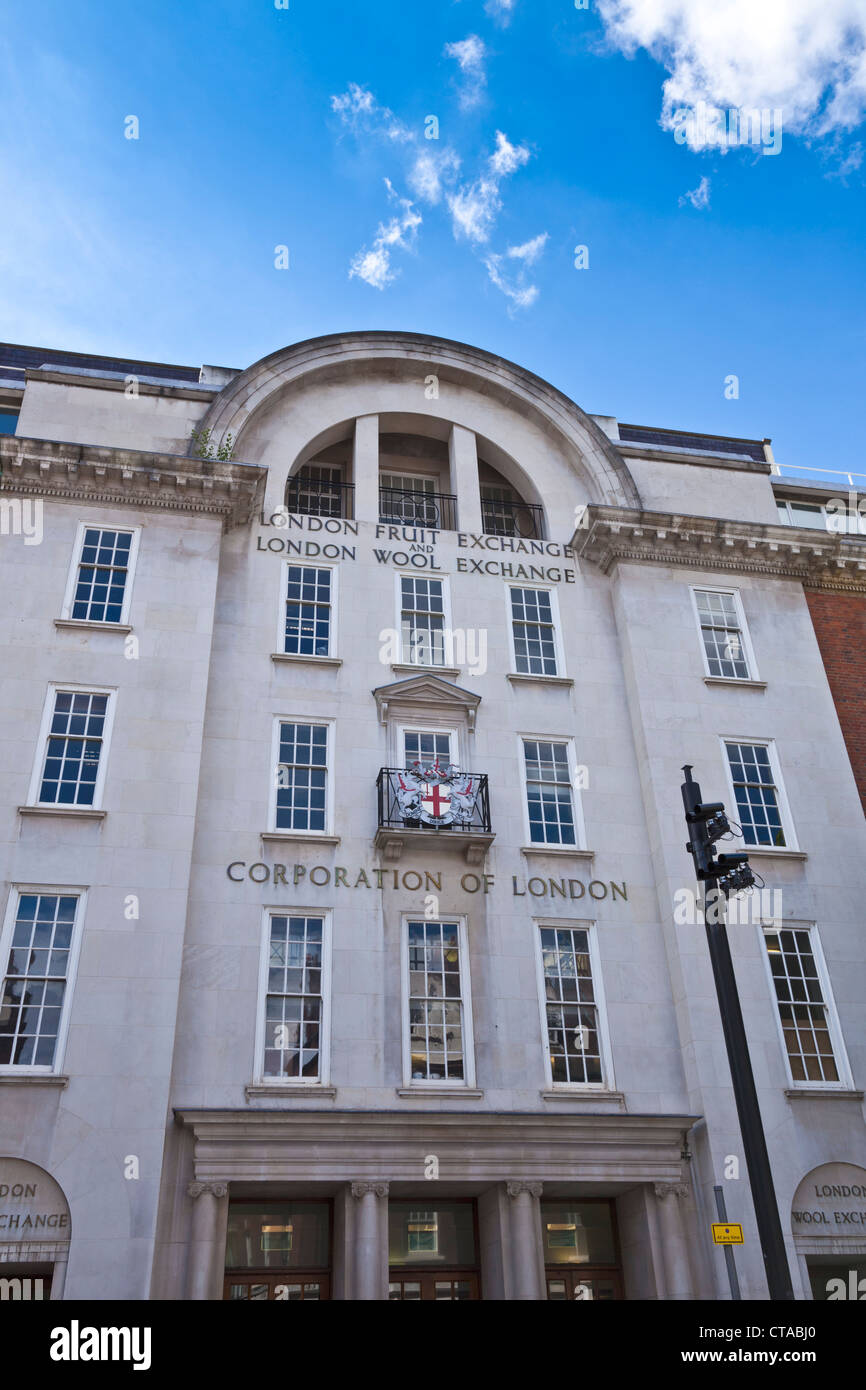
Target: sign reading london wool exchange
(416, 548)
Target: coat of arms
(436, 794)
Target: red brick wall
(840, 626)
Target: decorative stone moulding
(819, 560)
(129, 477)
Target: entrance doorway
(278, 1252)
(581, 1251)
(432, 1252)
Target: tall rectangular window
(294, 998)
(408, 498)
(309, 610)
(549, 792)
(757, 793)
(805, 1007)
(725, 641)
(533, 628)
(438, 1039)
(422, 620)
(74, 748)
(302, 777)
(573, 1032)
(100, 587)
(36, 977)
(317, 490)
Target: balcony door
(429, 746)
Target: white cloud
(400, 233)
(805, 57)
(360, 111)
(432, 176)
(470, 54)
(698, 197)
(501, 10)
(475, 207)
(520, 294)
(530, 251)
(430, 171)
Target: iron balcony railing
(523, 519)
(435, 510)
(312, 497)
(440, 800)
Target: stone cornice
(818, 559)
(129, 477)
(358, 1146)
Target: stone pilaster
(201, 1272)
(527, 1254)
(371, 1255)
(675, 1251)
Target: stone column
(207, 1197)
(365, 468)
(675, 1250)
(527, 1255)
(371, 1258)
(463, 457)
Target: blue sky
(303, 127)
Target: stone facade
(183, 862)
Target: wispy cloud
(514, 286)
(698, 197)
(373, 265)
(470, 54)
(806, 58)
(360, 111)
(433, 177)
(501, 10)
(475, 207)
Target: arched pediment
(413, 358)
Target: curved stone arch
(589, 452)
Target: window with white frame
(101, 580)
(37, 961)
(428, 746)
(534, 631)
(408, 498)
(723, 634)
(302, 777)
(293, 1040)
(573, 1028)
(807, 1017)
(759, 796)
(75, 736)
(549, 792)
(309, 623)
(422, 620)
(438, 1033)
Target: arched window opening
(322, 486)
(503, 510)
(414, 482)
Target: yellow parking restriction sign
(727, 1233)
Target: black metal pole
(730, 1262)
(746, 1096)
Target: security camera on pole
(723, 874)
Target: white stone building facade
(349, 941)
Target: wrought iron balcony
(502, 518)
(436, 803)
(435, 510)
(320, 497)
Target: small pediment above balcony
(426, 695)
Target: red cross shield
(435, 803)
